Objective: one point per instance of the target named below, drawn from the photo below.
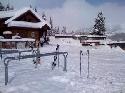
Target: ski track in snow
(107, 71)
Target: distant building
(91, 39)
(26, 22)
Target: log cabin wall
(26, 32)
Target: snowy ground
(107, 71)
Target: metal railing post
(57, 50)
(65, 62)
(0, 53)
(80, 62)
(88, 64)
(6, 71)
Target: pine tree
(35, 9)
(2, 8)
(7, 7)
(30, 6)
(64, 30)
(12, 8)
(51, 22)
(58, 30)
(44, 16)
(99, 27)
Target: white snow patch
(60, 79)
(7, 32)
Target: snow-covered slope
(107, 71)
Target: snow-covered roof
(92, 41)
(80, 35)
(15, 14)
(7, 32)
(92, 36)
(63, 35)
(20, 40)
(26, 24)
(116, 42)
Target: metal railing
(8, 59)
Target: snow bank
(107, 71)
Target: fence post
(57, 50)
(65, 62)
(0, 53)
(19, 55)
(88, 64)
(6, 72)
(80, 61)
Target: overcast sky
(77, 14)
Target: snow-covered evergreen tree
(64, 30)
(2, 8)
(51, 22)
(7, 7)
(35, 9)
(44, 16)
(30, 6)
(99, 27)
(58, 32)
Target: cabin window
(33, 34)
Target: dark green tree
(51, 23)
(64, 30)
(44, 16)
(35, 9)
(99, 27)
(2, 8)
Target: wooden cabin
(26, 22)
